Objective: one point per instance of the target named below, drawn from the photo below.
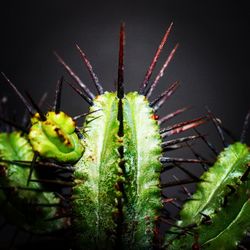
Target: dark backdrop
(212, 62)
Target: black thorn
(210, 145)
(185, 189)
(13, 124)
(194, 177)
(91, 71)
(75, 77)
(79, 92)
(217, 126)
(85, 114)
(36, 107)
(178, 183)
(179, 140)
(32, 166)
(179, 160)
(245, 126)
(57, 103)
(26, 103)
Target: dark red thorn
(57, 103)
(79, 92)
(13, 124)
(120, 81)
(91, 71)
(217, 126)
(55, 182)
(75, 77)
(179, 160)
(173, 147)
(26, 103)
(183, 126)
(179, 140)
(36, 107)
(161, 73)
(245, 126)
(178, 183)
(172, 115)
(32, 167)
(210, 145)
(154, 61)
(159, 101)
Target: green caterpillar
(116, 158)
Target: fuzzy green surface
(142, 150)
(55, 137)
(227, 227)
(19, 205)
(210, 193)
(97, 174)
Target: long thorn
(26, 103)
(75, 77)
(91, 71)
(185, 189)
(159, 101)
(217, 126)
(120, 81)
(172, 115)
(79, 92)
(178, 183)
(181, 127)
(179, 160)
(154, 61)
(13, 124)
(57, 103)
(161, 73)
(194, 177)
(245, 126)
(179, 140)
(85, 114)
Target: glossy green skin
(98, 173)
(227, 228)
(55, 137)
(229, 219)
(209, 196)
(142, 149)
(18, 205)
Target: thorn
(217, 126)
(159, 101)
(57, 103)
(36, 107)
(154, 61)
(172, 115)
(120, 81)
(59, 217)
(179, 140)
(194, 177)
(26, 103)
(85, 114)
(161, 73)
(183, 126)
(183, 187)
(79, 92)
(179, 160)
(178, 183)
(210, 146)
(75, 77)
(13, 124)
(91, 71)
(32, 166)
(245, 126)
(56, 182)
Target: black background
(212, 62)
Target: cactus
(114, 163)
